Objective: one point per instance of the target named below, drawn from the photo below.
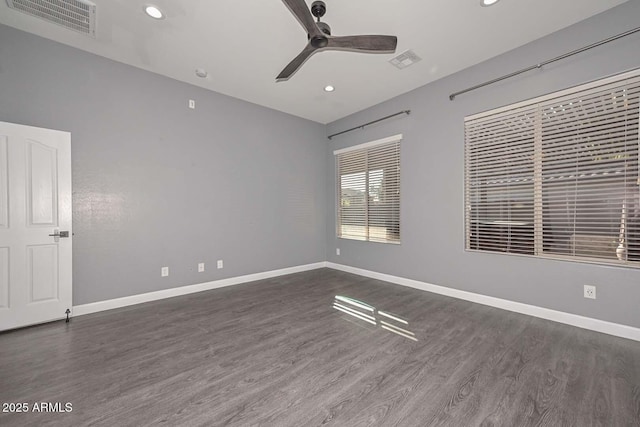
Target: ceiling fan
(320, 38)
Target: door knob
(60, 234)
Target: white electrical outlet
(201, 267)
(192, 104)
(220, 263)
(338, 251)
(590, 291)
(164, 271)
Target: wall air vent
(77, 15)
(405, 59)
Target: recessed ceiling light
(153, 12)
(488, 2)
(329, 88)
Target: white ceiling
(245, 44)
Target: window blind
(368, 191)
(558, 176)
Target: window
(558, 176)
(368, 191)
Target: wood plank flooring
(275, 352)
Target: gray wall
(432, 248)
(156, 184)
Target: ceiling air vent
(77, 15)
(405, 59)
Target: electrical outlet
(201, 267)
(192, 104)
(220, 263)
(338, 251)
(164, 271)
(590, 291)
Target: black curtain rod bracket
(407, 112)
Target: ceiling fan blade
(378, 44)
(297, 62)
(301, 11)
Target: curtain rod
(407, 112)
(542, 64)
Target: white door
(35, 203)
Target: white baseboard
(605, 327)
(95, 307)
(610, 328)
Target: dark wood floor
(276, 352)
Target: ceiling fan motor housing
(320, 41)
(324, 27)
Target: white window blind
(558, 176)
(368, 191)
